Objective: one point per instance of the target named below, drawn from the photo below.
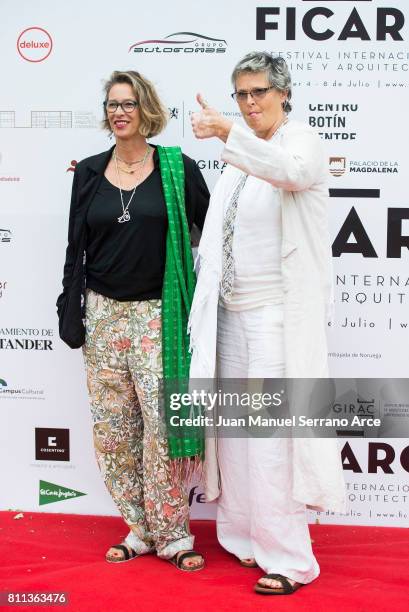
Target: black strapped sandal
(129, 554)
(177, 561)
(286, 587)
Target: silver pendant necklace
(125, 209)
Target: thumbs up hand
(209, 122)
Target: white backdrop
(351, 86)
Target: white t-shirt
(257, 247)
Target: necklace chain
(125, 212)
(132, 163)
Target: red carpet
(362, 569)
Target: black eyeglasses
(257, 94)
(128, 106)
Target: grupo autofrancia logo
(34, 44)
(180, 42)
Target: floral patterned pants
(124, 367)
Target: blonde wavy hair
(153, 114)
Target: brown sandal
(177, 561)
(286, 587)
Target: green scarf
(177, 295)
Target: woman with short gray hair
(259, 311)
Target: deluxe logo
(34, 44)
(52, 444)
(50, 493)
(337, 165)
(316, 22)
(5, 235)
(180, 42)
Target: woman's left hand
(209, 123)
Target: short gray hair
(275, 67)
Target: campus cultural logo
(20, 392)
(34, 44)
(52, 444)
(50, 493)
(180, 42)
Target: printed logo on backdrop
(350, 405)
(5, 236)
(3, 287)
(376, 295)
(211, 164)
(50, 493)
(378, 493)
(334, 120)
(350, 67)
(34, 44)
(4, 115)
(56, 119)
(338, 166)
(26, 339)
(316, 23)
(181, 42)
(21, 392)
(52, 444)
(196, 496)
(173, 113)
(71, 167)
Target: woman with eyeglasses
(259, 312)
(129, 254)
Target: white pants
(256, 515)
